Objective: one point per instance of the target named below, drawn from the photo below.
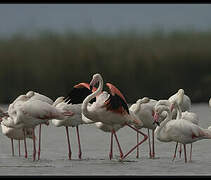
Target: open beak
(156, 117)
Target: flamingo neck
(179, 111)
(163, 123)
(86, 101)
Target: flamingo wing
(116, 101)
(79, 93)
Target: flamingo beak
(156, 117)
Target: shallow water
(95, 149)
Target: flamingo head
(95, 79)
(156, 118)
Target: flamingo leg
(180, 150)
(39, 148)
(191, 152)
(145, 138)
(111, 147)
(153, 144)
(185, 153)
(137, 140)
(12, 146)
(150, 151)
(34, 144)
(79, 144)
(120, 150)
(68, 141)
(19, 147)
(25, 147)
(175, 151)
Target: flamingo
(110, 109)
(180, 130)
(17, 134)
(73, 102)
(41, 97)
(143, 109)
(26, 113)
(188, 116)
(182, 103)
(33, 96)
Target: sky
(30, 18)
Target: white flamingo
(180, 130)
(110, 109)
(17, 134)
(143, 109)
(73, 103)
(41, 97)
(26, 113)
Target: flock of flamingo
(169, 120)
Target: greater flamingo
(180, 130)
(110, 109)
(143, 109)
(17, 134)
(73, 102)
(26, 113)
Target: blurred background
(144, 49)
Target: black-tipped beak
(157, 122)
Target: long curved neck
(163, 123)
(179, 111)
(86, 101)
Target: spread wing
(116, 101)
(79, 93)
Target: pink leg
(79, 144)
(191, 152)
(120, 150)
(12, 146)
(39, 148)
(145, 138)
(34, 143)
(175, 152)
(111, 147)
(137, 140)
(25, 147)
(150, 151)
(153, 144)
(180, 150)
(19, 147)
(68, 141)
(185, 152)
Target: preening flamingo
(26, 113)
(73, 103)
(185, 103)
(179, 130)
(110, 108)
(143, 109)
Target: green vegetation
(156, 64)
